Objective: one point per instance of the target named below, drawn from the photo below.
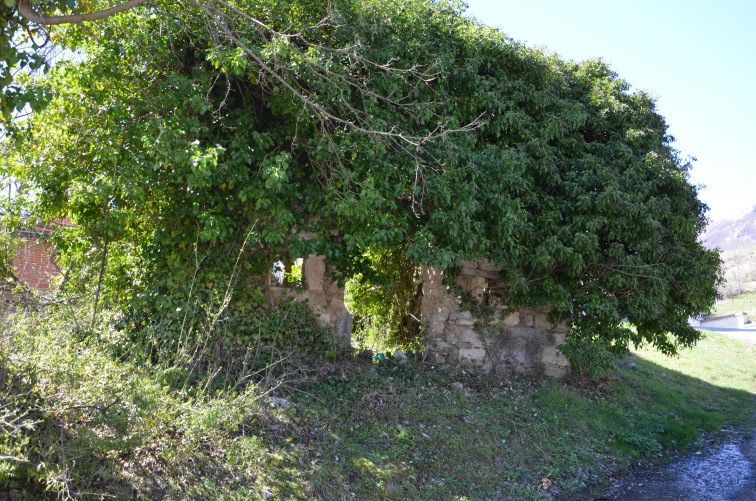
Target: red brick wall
(35, 265)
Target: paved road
(747, 335)
(725, 472)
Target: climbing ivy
(386, 302)
(194, 150)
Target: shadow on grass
(395, 433)
(65, 452)
(387, 432)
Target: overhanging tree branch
(221, 20)
(25, 10)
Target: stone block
(440, 345)
(344, 327)
(314, 272)
(337, 309)
(454, 330)
(528, 320)
(488, 266)
(463, 282)
(474, 355)
(442, 312)
(332, 287)
(317, 300)
(552, 356)
(465, 322)
(559, 338)
(433, 287)
(513, 319)
(470, 336)
(477, 272)
(562, 327)
(521, 357)
(435, 329)
(478, 287)
(517, 368)
(518, 334)
(436, 358)
(555, 372)
(542, 322)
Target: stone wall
(325, 297)
(522, 341)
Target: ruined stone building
(502, 340)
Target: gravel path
(724, 472)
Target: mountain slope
(733, 233)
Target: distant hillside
(734, 233)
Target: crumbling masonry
(523, 341)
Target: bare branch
(220, 20)
(25, 9)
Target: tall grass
(82, 417)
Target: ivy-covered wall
(324, 296)
(469, 325)
(188, 158)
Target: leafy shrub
(386, 303)
(76, 418)
(590, 355)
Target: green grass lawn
(411, 433)
(717, 359)
(99, 426)
(742, 303)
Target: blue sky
(697, 57)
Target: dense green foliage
(192, 145)
(9, 247)
(386, 303)
(22, 52)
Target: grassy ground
(742, 303)
(75, 421)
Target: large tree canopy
(180, 130)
